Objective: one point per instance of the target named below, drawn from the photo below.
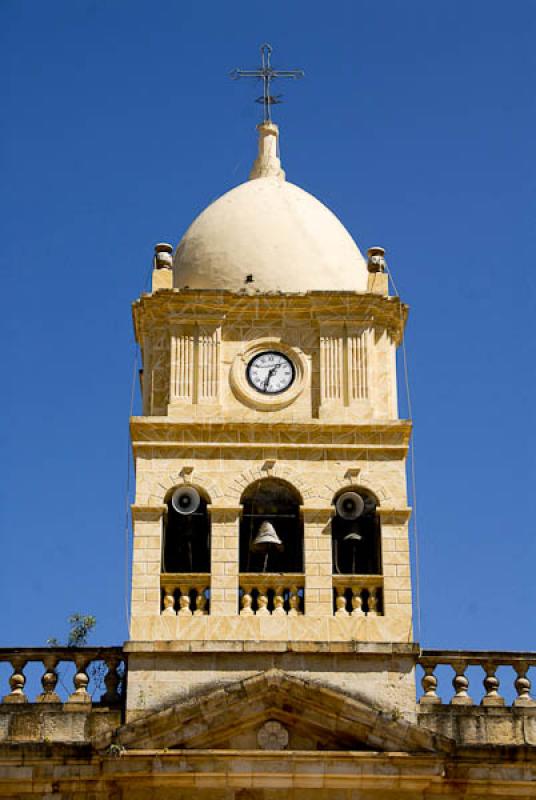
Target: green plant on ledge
(80, 628)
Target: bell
(265, 539)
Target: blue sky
(415, 124)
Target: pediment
(316, 717)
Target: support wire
(128, 488)
(128, 482)
(413, 480)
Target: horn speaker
(350, 505)
(185, 500)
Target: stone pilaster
(224, 561)
(318, 562)
(182, 365)
(396, 559)
(146, 559)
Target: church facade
(271, 651)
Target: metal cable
(128, 489)
(413, 480)
(146, 286)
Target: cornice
(161, 433)
(207, 306)
(147, 511)
(394, 516)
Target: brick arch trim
(175, 479)
(258, 472)
(362, 479)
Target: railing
(277, 595)
(490, 662)
(104, 666)
(355, 595)
(185, 595)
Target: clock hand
(270, 373)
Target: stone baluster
(80, 681)
(184, 604)
(523, 685)
(491, 685)
(429, 685)
(461, 685)
(340, 603)
(111, 681)
(246, 601)
(262, 602)
(373, 603)
(49, 681)
(279, 602)
(294, 602)
(200, 602)
(168, 602)
(357, 602)
(16, 682)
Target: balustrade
(459, 661)
(185, 595)
(357, 595)
(95, 669)
(271, 595)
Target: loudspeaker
(350, 505)
(185, 500)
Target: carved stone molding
(155, 431)
(318, 516)
(224, 514)
(394, 516)
(158, 310)
(149, 511)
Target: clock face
(270, 372)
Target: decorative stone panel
(156, 374)
(195, 364)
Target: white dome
(270, 229)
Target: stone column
(224, 562)
(147, 523)
(318, 562)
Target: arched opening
(356, 533)
(186, 537)
(271, 528)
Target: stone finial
(162, 266)
(376, 259)
(378, 279)
(163, 256)
(267, 164)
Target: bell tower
(271, 519)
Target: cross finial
(267, 73)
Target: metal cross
(268, 74)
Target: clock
(270, 372)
